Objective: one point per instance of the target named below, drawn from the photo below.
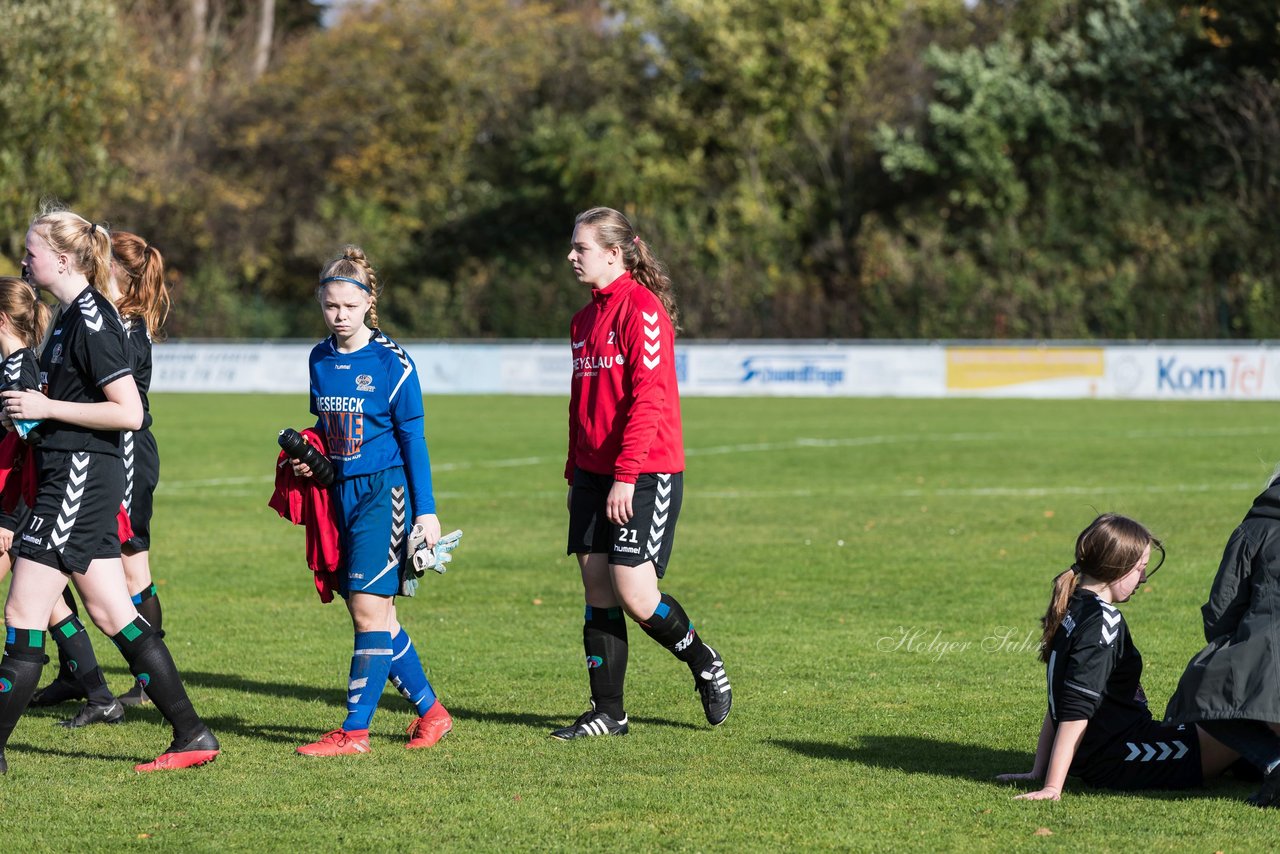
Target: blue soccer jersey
(368, 406)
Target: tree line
(807, 168)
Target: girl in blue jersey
(368, 403)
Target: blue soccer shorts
(373, 520)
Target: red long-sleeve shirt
(304, 502)
(624, 406)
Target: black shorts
(142, 475)
(1152, 757)
(73, 520)
(649, 534)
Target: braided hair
(352, 266)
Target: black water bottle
(296, 447)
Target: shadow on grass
(920, 755)
(236, 682)
(295, 735)
(916, 755)
(541, 721)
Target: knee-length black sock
(65, 672)
(604, 638)
(150, 661)
(147, 601)
(671, 627)
(19, 673)
(76, 650)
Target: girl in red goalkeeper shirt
(625, 469)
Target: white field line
(253, 484)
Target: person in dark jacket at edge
(1231, 688)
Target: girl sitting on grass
(1098, 726)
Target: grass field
(870, 569)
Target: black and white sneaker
(713, 687)
(591, 723)
(96, 713)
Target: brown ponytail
(614, 229)
(1064, 584)
(143, 294)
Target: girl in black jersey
(140, 295)
(90, 397)
(22, 323)
(137, 288)
(1098, 726)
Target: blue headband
(359, 284)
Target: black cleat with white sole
(591, 723)
(713, 688)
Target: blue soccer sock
(370, 664)
(407, 673)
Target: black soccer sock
(150, 661)
(147, 601)
(671, 627)
(65, 672)
(604, 637)
(19, 674)
(76, 651)
(1256, 742)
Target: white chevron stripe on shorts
(70, 508)
(661, 505)
(395, 549)
(127, 449)
(1160, 751)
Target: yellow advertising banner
(970, 368)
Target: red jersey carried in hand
(624, 407)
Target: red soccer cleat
(338, 742)
(201, 749)
(430, 728)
